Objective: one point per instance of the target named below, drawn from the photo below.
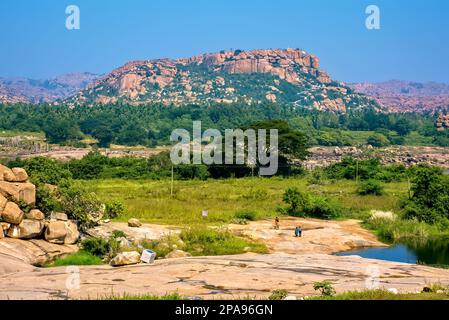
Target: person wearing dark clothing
(298, 232)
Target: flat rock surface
(294, 264)
(20, 255)
(249, 275)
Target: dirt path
(294, 264)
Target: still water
(430, 252)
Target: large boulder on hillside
(12, 175)
(56, 232)
(20, 175)
(6, 174)
(72, 233)
(27, 229)
(12, 213)
(18, 191)
(35, 214)
(126, 258)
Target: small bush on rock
(278, 295)
(325, 287)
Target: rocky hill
(15, 90)
(406, 96)
(286, 76)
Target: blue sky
(412, 44)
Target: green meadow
(151, 200)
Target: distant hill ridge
(407, 96)
(14, 90)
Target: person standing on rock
(298, 232)
(276, 223)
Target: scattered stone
(20, 175)
(12, 213)
(4, 226)
(126, 258)
(134, 223)
(27, 229)
(72, 233)
(35, 214)
(58, 216)
(177, 254)
(56, 232)
(290, 298)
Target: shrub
(43, 170)
(370, 187)
(303, 204)
(46, 201)
(81, 205)
(297, 200)
(118, 234)
(323, 208)
(246, 215)
(98, 247)
(325, 287)
(114, 210)
(102, 248)
(280, 294)
(317, 177)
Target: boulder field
(29, 238)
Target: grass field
(151, 201)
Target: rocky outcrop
(15, 190)
(276, 75)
